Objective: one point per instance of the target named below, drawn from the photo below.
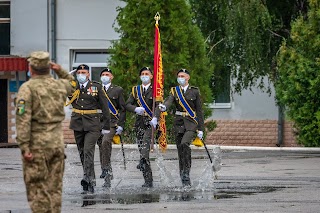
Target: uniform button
(82, 92)
(81, 99)
(81, 106)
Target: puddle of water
(170, 195)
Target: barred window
(5, 27)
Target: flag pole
(155, 68)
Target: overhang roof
(13, 63)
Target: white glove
(139, 110)
(119, 130)
(162, 107)
(200, 134)
(154, 122)
(104, 131)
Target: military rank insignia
(73, 83)
(21, 107)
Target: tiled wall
(250, 133)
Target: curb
(231, 148)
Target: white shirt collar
(84, 84)
(146, 86)
(106, 86)
(185, 88)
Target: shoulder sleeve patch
(21, 107)
(73, 83)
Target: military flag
(158, 82)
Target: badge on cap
(21, 107)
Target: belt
(89, 111)
(183, 114)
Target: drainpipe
(53, 7)
(280, 126)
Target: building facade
(81, 31)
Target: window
(221, 89)
(5, 27)
(96, 60)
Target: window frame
(101, 65)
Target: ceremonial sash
(142, 102)
(113, 110)
(184, 104)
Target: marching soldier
(188, 121)
(88, 102)
(39, 116)
(114, 95)
(140, 101)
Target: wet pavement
(250, 180)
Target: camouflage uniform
(115, 94)
(39, 115)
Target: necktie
(144, 91)
(82, 87)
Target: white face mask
(181, 81)
(145, 79)
(82, 78)
(105, 79)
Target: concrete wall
(83, 24)
(29, 31)
(250, 105)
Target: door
(4, 111)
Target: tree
(298, 83)
(182, 42)
(244, 37)
(183, 45)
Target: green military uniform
(185, 127)
(39, 116)
(115, 95)
(143, 131)
(89, 104)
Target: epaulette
(114, 85)
(133, 91)
(193, 87)
(97, 82)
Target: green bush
(298, 83)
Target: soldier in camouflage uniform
(188, 121)
(114, 95)
(142, 105)
(39, 115)
(89, 105)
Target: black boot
(108, 177)
(148, 185)
(147, 174)
(103, 174)
(85, 186)
(185, 179)
(90, 189)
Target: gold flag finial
(157, 17)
